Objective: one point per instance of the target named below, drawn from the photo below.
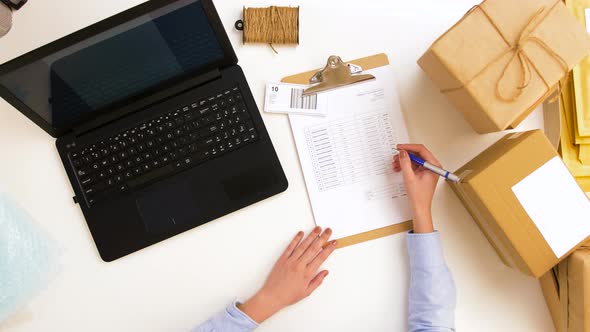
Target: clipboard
(367, 63)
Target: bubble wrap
(28, 257)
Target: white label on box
(556, 204)
(289, 98)
(587, 14)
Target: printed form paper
(556, 204)
(346, 157)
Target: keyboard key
(151, 176)
(204, 111)
(208, 131)
(87, 181)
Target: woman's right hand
(294, 276)
(420, 183)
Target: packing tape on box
(28, 257)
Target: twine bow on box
(518, 54)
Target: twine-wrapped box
(504, 58)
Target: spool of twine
(271, 25)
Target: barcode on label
(298, 101)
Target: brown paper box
(486, 191)
(574, 292)
(550, 288)
(467, 62)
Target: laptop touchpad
(166, 205)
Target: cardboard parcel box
(574, 292)
(525, 201)
(499, 62)
(550, 287)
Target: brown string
(271, 25)
(519, 53)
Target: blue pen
(444, 173)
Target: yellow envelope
(581, 74)
(569, 151)
(567, 104)
(584, 154)
(572, 116)
(584, 183)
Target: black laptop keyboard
(163, 146)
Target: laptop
(155, 123)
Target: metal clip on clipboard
(336, 74)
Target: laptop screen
(117, 64)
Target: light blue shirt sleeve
(230, 320)
(432, 295)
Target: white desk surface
(176, 284)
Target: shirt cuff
(239, 315)
(425, 249)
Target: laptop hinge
(140, 104)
